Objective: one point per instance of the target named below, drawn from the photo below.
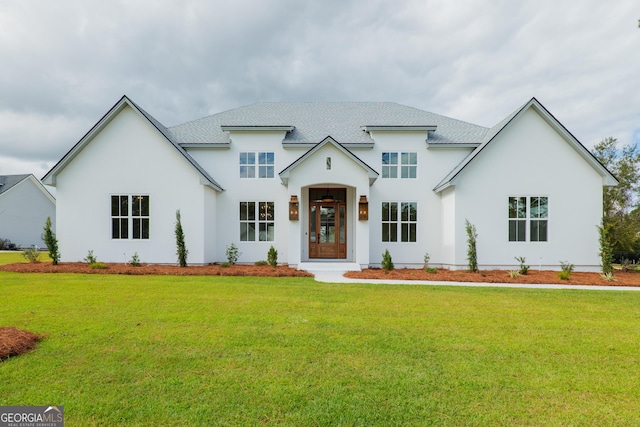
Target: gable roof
(50, 177)
(8, 182)
(284, 175)
(310, 122)
(453, 176)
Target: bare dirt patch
(622, 278)
(14, 342)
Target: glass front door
(327, 230)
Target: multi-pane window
(129, 212)
(406, 221)
(258, 216)
(531, 211)
(407, 161)
(265, 165)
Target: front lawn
(171, 351)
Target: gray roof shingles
(313, 121)
(8, 181)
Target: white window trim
(527, 219)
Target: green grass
(177, 351)
(16, 256)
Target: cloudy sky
(64, 63)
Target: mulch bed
(173, 270)
(622, 278)
(14, 342)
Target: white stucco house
(25, 205)
(331, 181)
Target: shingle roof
(9, 181)
(313, 121)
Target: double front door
(327, 229)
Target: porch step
(321, 267)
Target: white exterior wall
(530, 159)
(433, 165)
(23, 211)
(129, 157)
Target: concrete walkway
(336, 276)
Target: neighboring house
(331, 181)
(25, 205)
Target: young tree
(619, 205)
(51, 241)
(472, 254)
(182, 250)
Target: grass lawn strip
(145, 350)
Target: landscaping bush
(233, 253)
(272, 257)
(566, 269)
(606, 251)
(472, 254)
(51, 241)
(523, 269)
(387, 263)
(90, 258)
(181, 250)
(31, 254)
(135, 260)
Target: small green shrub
(564, 275)
(387, 262)
(514, 273)
(233, 253)
(566, 269)
(225, 264)
(98, 265)
(606, 251)
(427, 258)
(523, 269)
(431, 270)
(90, 258)
(181, 247)
(609, 277)
(261, 262)
(135, 260)
(472, 253)
(31, 254)
(272, 257)
(51, 241)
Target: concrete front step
(320, 266)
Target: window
(257, 216)
(266, 164)
(407, 221)
(531, 210)
(122, 219)
(408, 165)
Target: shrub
(233, 253)
(51, 241)
(627, 265)
(225, 264)
(387, 262)
(514, 273)
(431, 270)
(98, 265)
(566, 269)
(523, 269)
(606, 251)
(608, 277)
(181, 248)
(261, 262)
(472, 254)
(135, 260)
(6, 245)
(427, 258)
(90, 258)
(31, 254)
(272, 256)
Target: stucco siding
(129, 157)
(23, 212)
(530, 159)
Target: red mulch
(14, 342)
(489, 276)
(622, 278)
(173, 270)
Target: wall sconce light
(293, 208)
(363, 209)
